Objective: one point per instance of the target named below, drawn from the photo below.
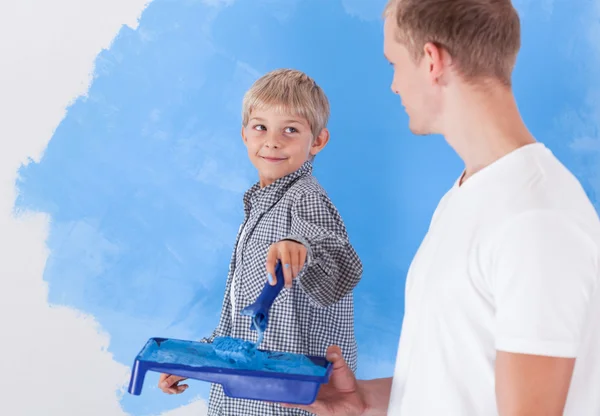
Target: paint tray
(189, 359)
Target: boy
(288, 217)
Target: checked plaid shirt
(318, 310)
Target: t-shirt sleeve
(544, 272)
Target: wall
(121, 172)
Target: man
(502, 301)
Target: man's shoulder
(539, 232)
(542, 201)
(543, 187)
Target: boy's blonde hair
(288, 91)
(482, 36)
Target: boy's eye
(291, 130)
(260, 127)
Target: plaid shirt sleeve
(333, 268)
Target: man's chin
(418, 130)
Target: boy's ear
(319, 142)
(244, 139)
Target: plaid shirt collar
(262, 199)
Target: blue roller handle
(259, 310)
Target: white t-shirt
(510, 263)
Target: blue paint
(261, 334)
(231, 353)
(240, 354)
(143, 178)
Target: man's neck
(483, 126)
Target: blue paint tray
(200, 361)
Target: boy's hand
(292, 256)
(169, 384)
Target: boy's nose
(272, 141)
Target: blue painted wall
(143, 179)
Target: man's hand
(292, 256)
(341, 396)
(170, 384)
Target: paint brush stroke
(140, 228)
(55, 353)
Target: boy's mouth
(273, 159)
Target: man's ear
(319, 142)
(438, 61)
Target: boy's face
(278, 143)
(414, 82)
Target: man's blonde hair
(288, 91)
(482, 36)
